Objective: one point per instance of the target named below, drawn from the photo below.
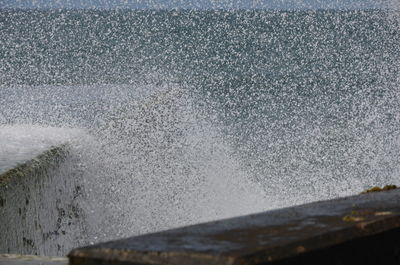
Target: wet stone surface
(367, 224)
(10, 259)
(39, 205)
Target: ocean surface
(192, 116)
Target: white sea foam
(160, 165)
(158, 162)
(19, 143)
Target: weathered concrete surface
(39, 214)
(50, 158)
(7, 259)
(363, 229)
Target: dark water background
(86, 47)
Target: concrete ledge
(9, 259)
(43, 162)
(39, 211)
(362, 229)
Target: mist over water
(180, 117)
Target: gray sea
(192, 116)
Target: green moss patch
(375, 189)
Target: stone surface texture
(10, 259)
(39, 213)
(362, 229)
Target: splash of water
(196, 116)
(20, 143)
(165, 168)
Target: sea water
(186, 116)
